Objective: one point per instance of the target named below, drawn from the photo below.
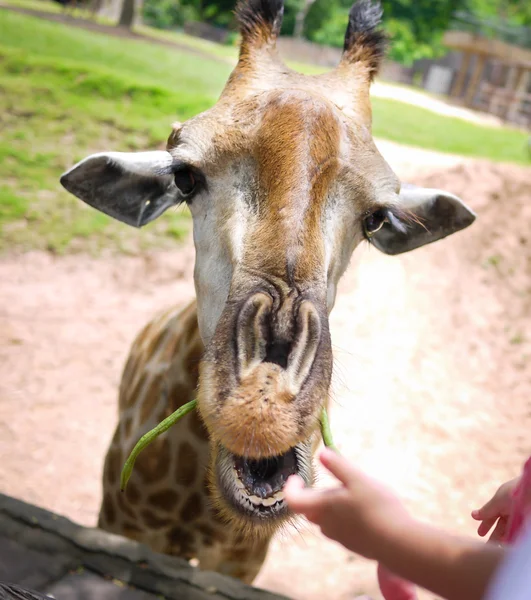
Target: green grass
(52, 114)
(147, 63)
(226, 53)
(415, 126)
(66, 92)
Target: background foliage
(415, 26)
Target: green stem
(150, 436)
(327, 433)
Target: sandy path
(432, 377)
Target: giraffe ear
(132, 187)
(435, 214)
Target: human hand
(360, 514)
(496, 512)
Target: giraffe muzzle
(260, 417)
(262, 402)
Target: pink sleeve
(521, 510)
(394, 587)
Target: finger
(339, 467)
(490, 510)
(498, 535)
(300, 498)
(310, 502)
(486, 526)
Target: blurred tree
(416, 27)
(127, 14)
(166, 14)
(300, 18)
(291, 9)
(515, 12)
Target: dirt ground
(432, 389)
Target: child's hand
(496, 509)
(360, 514)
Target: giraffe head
(283, 181)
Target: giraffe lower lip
(255, 488)
(265, 478)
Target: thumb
(309, 502)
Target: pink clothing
(521, 510)
(393, 587)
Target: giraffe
(283, 181)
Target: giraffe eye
(374, 222)
(185, 182)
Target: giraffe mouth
(255, 487)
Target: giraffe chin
(254, 489)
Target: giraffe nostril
(277, 353)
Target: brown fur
(294, 145)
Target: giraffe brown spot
(109, 512)
(143, 335)
(132, 527)
(164, 500)
(152, 464)
(116, 438)
(192, 328)
(153, 521)
(163, 415)
(197, 426)
(150, 400)
(192, 508)
(113, 465)
(124, 506)
(239, 555)
(210, 533)
(192, 359)
(239, 539)
(189, 322)
(132, 531)
(131, 367)
(181, 541)
(131, 493)
(135, 391)
(187, 460)
(170, 349)
(179, 394)
(128, 424)
(156, 341)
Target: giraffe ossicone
(283, 181)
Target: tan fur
(166, 504)
(290, 170)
